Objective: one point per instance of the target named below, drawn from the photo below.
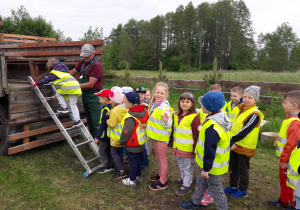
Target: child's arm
(249, 125)
(293, 135)
(127, 131)
(210, 148)
(113, 118)
(51, 77)
(195, 124)
(167, 118)
(102, 126)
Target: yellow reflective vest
(183, 135)
(108, 128)
(66, 84)
(115, 133)
(221, 161)
(250, 140)
(293, 165)
(282, 136)
(155, 129)
(232, 112)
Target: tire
(4, 131)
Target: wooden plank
(47, 53)
(53, 44)
(18, 41)
(28, 133)
(26, 128)
(22, 147)
(29, 37)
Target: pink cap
(116, 95)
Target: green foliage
(162, 74)
(126, 80)
(20, 22)
(233, 66)
(214, 76)
(184, 67)
(207, 66)
(97, 34)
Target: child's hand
(32, 84)
(275, 143)
(204, 174)
(283, 165)
(54, 96)
(199, 127)
(165, 118)
(96, 141)
(143, 126)
(233, 147)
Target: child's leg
(110, 158)
(61, 100)
(201, 186)
(142, 159)
(186, 166)
(103, 154)
(286, 193)
(116, 156)
(243, 165)
(156, 155)
(122, 154)
(73, 106)
(216, 187)
(133, 162)
(162, 150)
(234, 178)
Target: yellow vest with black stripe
(155, 129)
(66, 84)
(250, 140)
(183, 135)
(282, 136)
(140, 133)
(232, 112)
(221, 161)
(108, 128)
(293, 165)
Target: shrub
(233, 66)
(214, 76)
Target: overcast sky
(74, 17)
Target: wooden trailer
(24, 122)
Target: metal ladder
(88, 139)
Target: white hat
(86, 50)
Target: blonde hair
(237, 89)
(215, 87)
(159, 84)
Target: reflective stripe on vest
(155, 129)
(108, 128)
(250, 141)
(183, 135)
(232, 112)
(292, 172)
(66, 84)
(282, 136)
(115, 133)
(140, 133)
(221, 161)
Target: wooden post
(26, 128)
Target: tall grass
(244, 75)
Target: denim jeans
(135, 168)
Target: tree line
(189, 38)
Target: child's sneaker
(158, 185)
(206, 200)
(188, 205)
(239, 194)
(76, 123)
(104, 170)
(178, 181)
(154, 178)
(278, 203)
(63, 110)
(119, 175)
(183, 190)
(128, 182)
(139, 178)
(229, 190)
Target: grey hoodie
(222, 119)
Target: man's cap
(104, 93)
(140, 89)
(86, 50)
(133, 97)
(213, 101)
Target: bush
(184, 67)
(233, 66)
(207, 66)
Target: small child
(287, 141)
(101, 137)
(67, 86)
(236, 98)
(185, 137)
(159, 128)
(148, 95)
(212, 152)
(133, 136)
(142, 92)
(244, 135)
(114, 122)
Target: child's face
(160, 94)
(103, 100)
(235, 97)
(185, 105)
(147, 95)
(128, 105)
(287, 105)
(204, 109)
(248, 99)
(142, 95)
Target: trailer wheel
(4, 141)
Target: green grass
(244, 75)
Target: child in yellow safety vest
(114, 122)
(236, 98)
(287, 141)
(159, 128)
(244, 135)
(212, 152)
(184, 139)
(67, 86)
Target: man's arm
(73, 72)
(90, 84)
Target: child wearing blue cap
(212, 152)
